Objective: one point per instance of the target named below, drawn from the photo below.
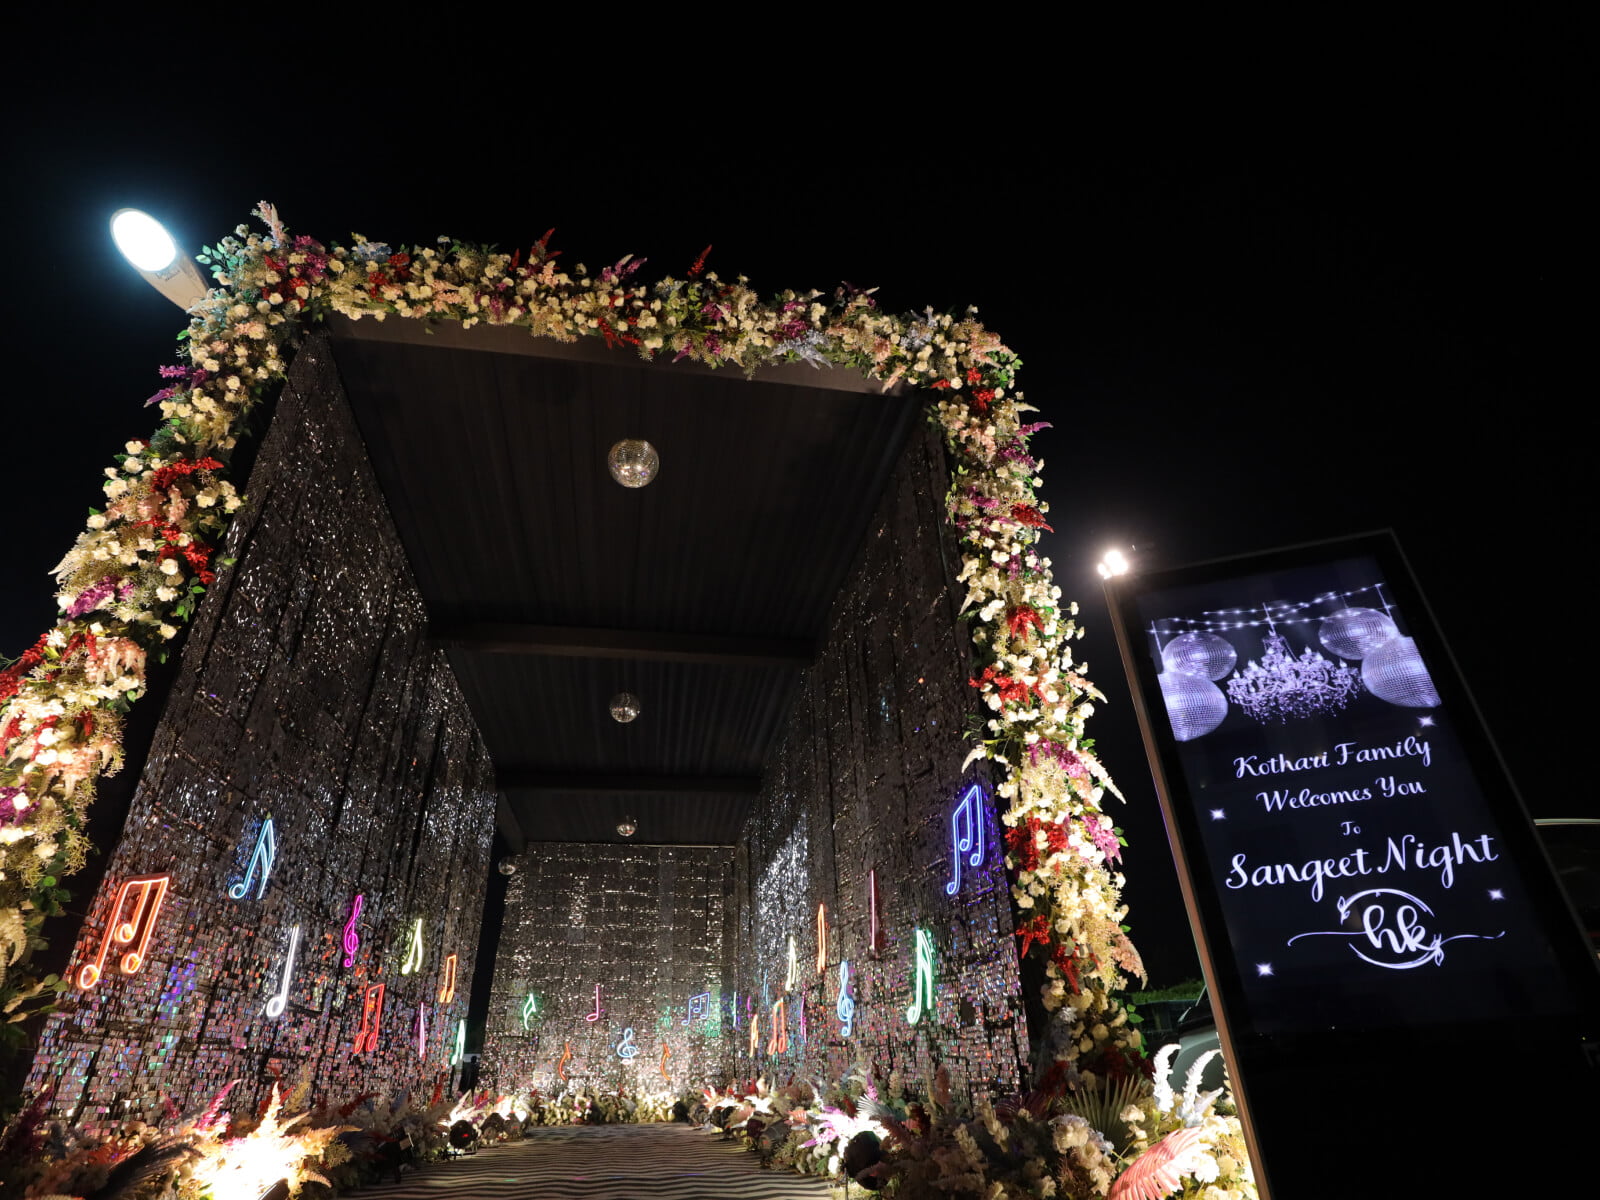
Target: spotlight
(147, 245)
(1114, 563)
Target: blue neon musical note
(846, 1007)
(626, 1048)
(699, 1006)
(266, 850)
(966, 834)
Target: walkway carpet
(606, 1162)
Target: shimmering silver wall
(306, 693)
(642, 924)
(865, 784)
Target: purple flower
(92, 597)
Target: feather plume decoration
(1159, 1171)
(208, 1119)
(135, 1173)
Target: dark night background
(1242, 340)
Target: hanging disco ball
(624, 707)
(1204, 654)
(633, 462)
(1395, 672)
(507, 866)
(1195, 706)
(1354, 633)
(627, 827)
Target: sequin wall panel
(313, 821)
(608, 972)
(870, 866)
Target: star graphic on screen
(1496, 894)
(1424, 720)
(1263, 969)
(1217, 814)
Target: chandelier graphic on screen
(1282, 686)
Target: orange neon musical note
(666, 1053)
(561, 1067)
(147, 893)
(447, 993)
(778, 1039)
(822, 939)
(371, 1015)
(755, 1034)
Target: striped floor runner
(606, 1162)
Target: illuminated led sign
(262, 856)
(822, 939)
(124, 926)
(627, 1048)
(461, 1042)
(966, 835)
(699, 1008)
(447, 990)
(846, 1007)
(794, 968)
(422, 1031)
(778, 1039)
(922, 991)
(279, 1002)
(352, 937)
(371, 1016)
(413, 960)
(561, 1065)
(595, 1015)
(530, 1009)
(666, 1053)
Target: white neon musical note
(279, 1002)
(966, 834)
(147, 892)
(413, 960)
(422, 1031)
(595, 1015)
(530, 1009)
(265, 852)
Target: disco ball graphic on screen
(1195, 705)
(1354, 633)
(1395, 672)
(1204, 654)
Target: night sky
(1242, 342)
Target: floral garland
(137, 571)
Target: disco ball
(507, 866)
(1195, 706)
(624, 707)
(633, 462)
(1203, 654)
(1354, 633)
(1395, 672)
(627, 827)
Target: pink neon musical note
(595, 1015)
(352, 939)
(147, 893)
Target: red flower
(1021, 618)
(1026, 514)
(973, 374)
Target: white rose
(169, 566)
(169, 631)
(166, 594)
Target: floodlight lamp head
(151, 250)
(1114, 563)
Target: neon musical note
(755, 1034)
(447, 992)
(265, 852)
(794, 968)
(461, 1042)
(822, 939)
(371, 1015)
(966, 834)
(352, 937)
(736, 1010)
(923, 989)
(874, 930)
(413, 960)
(422, 1031)
(626, 1048)
(595, 1015)
(778, 1040)
(530, 1009)
(147, 893)
(561, 1067)
(699, 1006)
(666, 1053)
(278, 1003)
(804, 1030)
(846, 1007)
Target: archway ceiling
(551, 588)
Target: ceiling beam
(572, 641)
(531, 779)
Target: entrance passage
(605, 1162)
